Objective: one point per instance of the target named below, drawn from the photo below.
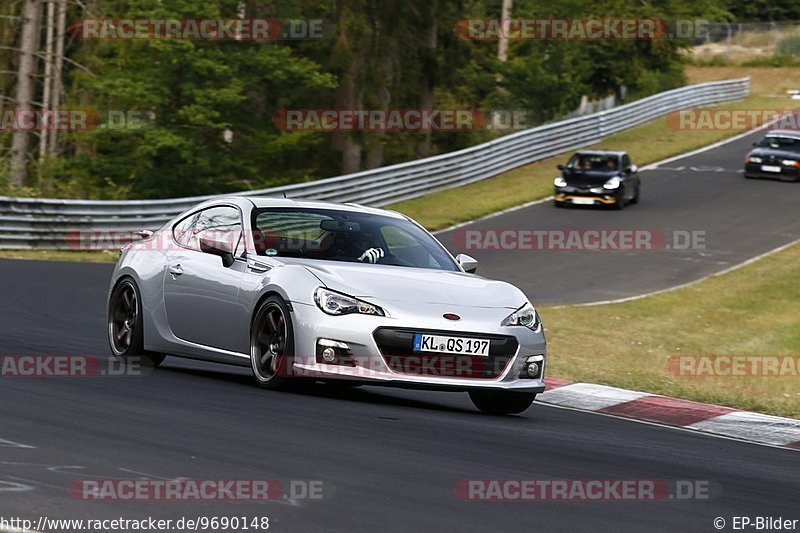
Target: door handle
(175, 270)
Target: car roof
(794, 134)
(601, 152)
(272, 201)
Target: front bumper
(374, 360)
(578, 196)
(754, 170)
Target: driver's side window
(626, 162)
(183, 231)
(222, 223)
(406, 248)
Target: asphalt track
(389, 460)
(704, 193)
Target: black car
(598, 178)
(777, 155)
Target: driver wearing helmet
(361, 246)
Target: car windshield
(593, 162)
(337, 235)
(791, 144)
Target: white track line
(492, 215)
(590, 396)
(685, 429)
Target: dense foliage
(205, 108)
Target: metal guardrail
(27, 223)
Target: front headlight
(560, 182)
(524, 316)
(336, 303)
(790, 163)
(754, 159)
(613, 183)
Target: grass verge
(751, 311)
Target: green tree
(765, 10)
(209, 108)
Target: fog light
(331, 352)
(329, 355)
(534, 366)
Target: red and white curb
(646, 407)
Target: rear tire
(272, 344)
(125, 325)
(501, 402)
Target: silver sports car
(341, 293)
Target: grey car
(318, 291)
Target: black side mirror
(560, 167)
(219, 247)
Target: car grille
(397, 349)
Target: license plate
(770, 168)
(583, 201)
(456, 345)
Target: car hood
(781, 154)
(591, 178)
(416, 285)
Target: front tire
(501, 402)
(125, 329)
(635, 199)
(272, 344)
(619, 205)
